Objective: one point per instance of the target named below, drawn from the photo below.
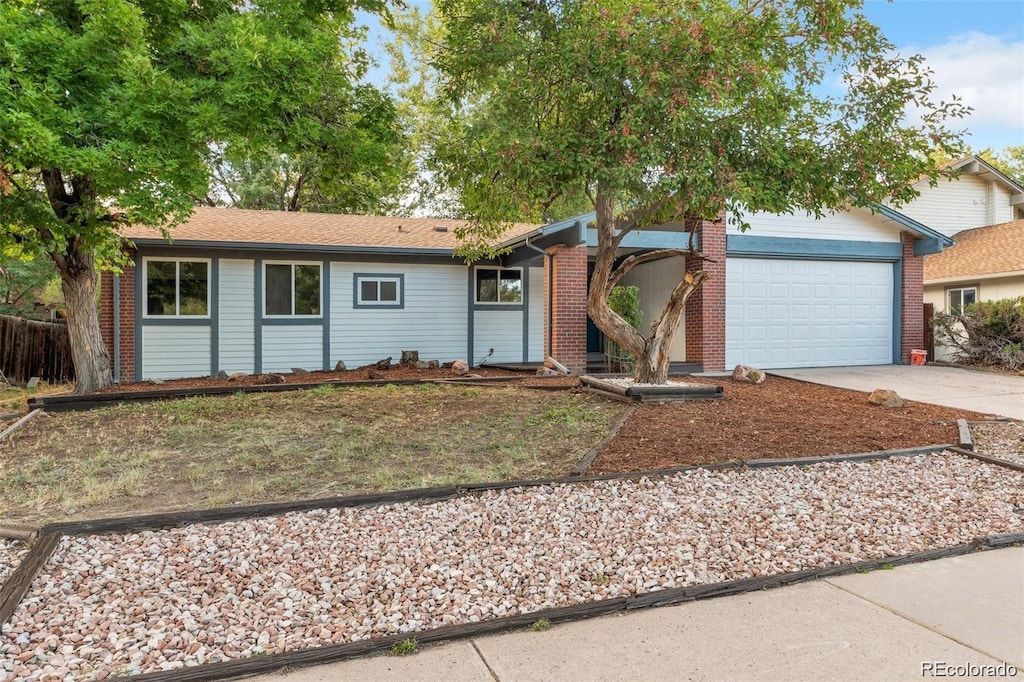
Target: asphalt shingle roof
(249, 227)
(981, 251)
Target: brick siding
(705, 309)
(127, 318)
(913, 300)
(568, 337)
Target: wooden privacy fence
(34, 349)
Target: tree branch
(636, 259)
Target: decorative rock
(427, 364)
(235, 376)
(340, 366)
(221, 375)
(157, 382)
(32, 383)
(271, 379)
(373, 374)
(748, 374)
(383, 364)
(460, 368)
(299, 370)
(885, 398)
(548, 372)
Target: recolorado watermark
(944, 669)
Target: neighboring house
(261, 291)
(986, 264)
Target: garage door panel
(807, 313)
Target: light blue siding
(237, 302)
(171, 352)
(535, 314)
(287, 346)
(433, 319)
(501, 330)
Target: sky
(974, 47)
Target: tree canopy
(664, 111)
(111, 108)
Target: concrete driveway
(981, 391)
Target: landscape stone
(299, 370)
(235, 376)
(373, 374)
(222, 375)
(748, 374)
(383, 364)
(548, 372)
(32, 383)
(885, 398)
(460, 368)
(340, 366)
(427, 364)
(272, 379)
(156, 382)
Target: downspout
(550, 294)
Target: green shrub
(988, 333)
(624, 301)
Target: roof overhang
(305, 248)
(973, 277)
(979, 167)
(928, 240)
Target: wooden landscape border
(19, 583)
(73, 403)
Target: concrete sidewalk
(891, 625)
(980, 391)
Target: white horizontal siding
(236, 338)
(501, 330)
(433, 321)
(854, 225)
(956, 205)
(287, 346)
(656, 281)
(171, 352)
(536, 314)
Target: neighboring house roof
(232, 227)
(982, 252)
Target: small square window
(498, 285)
(959, 298)
(378, 291)
(291, 289)
(177, 288)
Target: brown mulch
(394, 373)
(780, 418)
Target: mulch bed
(780, 418)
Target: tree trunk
(92, 361)
(651, 354)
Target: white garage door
(807, 313)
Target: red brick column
(705, 309)
(912, 317)
(127, 318)
(568, 334)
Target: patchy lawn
(258, 447)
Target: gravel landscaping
(11, 553)
(108, 605)
(1004, 440)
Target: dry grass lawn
(212, 452)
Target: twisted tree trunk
(89, 353)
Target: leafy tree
(25, 281)
(1010, 161)
(355, 166)
(673, 111)
(110, 109)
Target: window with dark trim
(959, 298)
(177, 288)
(499, 285)
(291, 289)
(372, 291)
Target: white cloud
(986, 72)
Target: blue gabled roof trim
(912, 225)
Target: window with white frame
(499, 285)
(291, 289)
(177, 288)
(959, 298)
(378, 290)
